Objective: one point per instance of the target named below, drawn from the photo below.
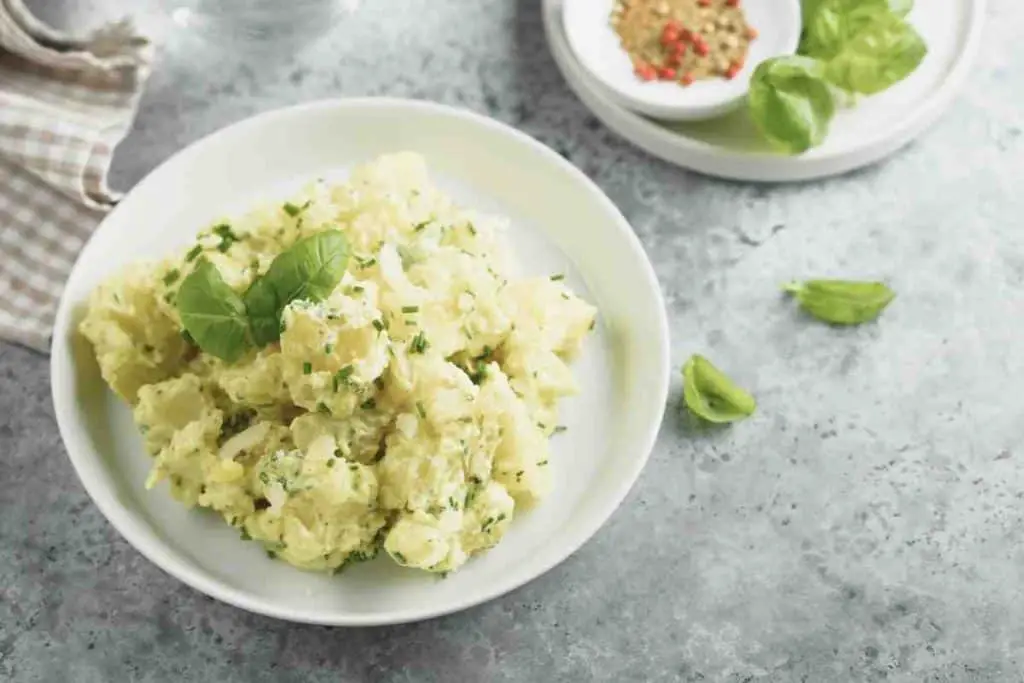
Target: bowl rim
(71, 430)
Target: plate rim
(62, 388)
(708, 159)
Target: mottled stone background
(865, 525)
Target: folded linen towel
(65, 103)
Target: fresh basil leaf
(212, 313)
(791, 103)
(842, 302)
(882, 53)
(808, 9)
(832, 23)
(310, 269)
(711, 395)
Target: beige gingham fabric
(64, 105)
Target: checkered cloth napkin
(64, 104)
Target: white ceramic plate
(561, 222)
(730, 147)
(595, 44)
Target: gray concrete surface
(865, 525)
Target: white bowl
(596, 46)
(561, 222)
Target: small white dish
(730, 146)
(561, 223)
(596, 45)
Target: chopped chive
(420, 226)
(378, 325)
(342, 376)
(291, 209)
(328, 348)
(419, 343)
(227, 236)
(560, 428)
(557, 277)
(171, 276)
(421, 410)
(193, 252)
(472, 230)
(410, 309)
(321, 407)
(307, 368)
(330, 463)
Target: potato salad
(358, 368)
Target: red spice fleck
(646, 72)
(669, 34)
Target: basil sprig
(309, 270)
(227, 325)
(711, 395)
(841, 302)
(848, 48)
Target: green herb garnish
(191, 254)
(557, 277)
(341, 377)
(841, 302)
(410, 309)
(711, 395)
(172, 276)
(848, 47)
(791, 102)
(307, 368)
(291, 209)
(419, 343)
(213, 314)
(226, 235)
(310, 269)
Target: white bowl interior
(596, 46)
(560, 223)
